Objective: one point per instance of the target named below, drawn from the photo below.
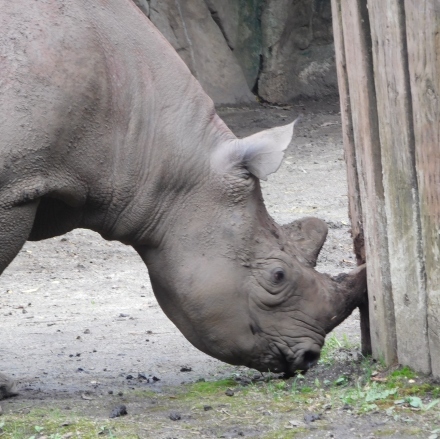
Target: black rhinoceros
(102, 126)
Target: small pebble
(174, 416)
(229, 392)
(120, 410)
(312, 417)
(244, 381)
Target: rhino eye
(273, 277)
(278, 276)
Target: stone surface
(143, 5)
(282, 50)
(239, 21)
(298, 50)
(190, 28)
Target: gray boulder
(239, 21)
(144, 6)
(298, 51)
(282, 50)
(191, 30)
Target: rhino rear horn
(308, 235)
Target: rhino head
(240, 287)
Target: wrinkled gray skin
(103, 127)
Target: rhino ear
(262, 153)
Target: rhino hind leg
(308, 235)
(8, 388)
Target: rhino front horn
(352, 291)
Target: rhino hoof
(8, 387)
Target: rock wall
(298, 50)
(240, 22)
(244, 50)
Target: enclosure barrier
(388, 61)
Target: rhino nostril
(310, 358)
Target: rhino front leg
(15, 226)
(8, 387)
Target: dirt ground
(78, 315)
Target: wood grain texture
(357, 42)
(354, 197)
(388, 60)
(394, 106)
(423, 42)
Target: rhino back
(95, 107)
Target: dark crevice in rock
(254, 90)
(260, 69)
(216, 18)
(144, 6)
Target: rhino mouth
(299, 362)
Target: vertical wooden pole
(423, 41)
(354, 199)
(357, 43)
(388, 60)
(394, 106)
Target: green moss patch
(51, 424)
(246, 404)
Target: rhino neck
(159, 129)
(167, 167)
(184, 270)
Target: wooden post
(362, 95)
(391, 77)
(423, 39)
(354, 200)
(388, 60)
